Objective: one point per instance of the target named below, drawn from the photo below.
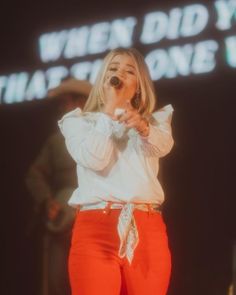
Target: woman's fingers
(129, 113)
(133, 123)
(131, 119)
(126, 116)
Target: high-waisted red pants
(95, 267)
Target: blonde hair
(147, 94)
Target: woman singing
(119, 242)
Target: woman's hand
(132, 119)
(113, 98)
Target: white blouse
(115, 163)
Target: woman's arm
(89, 145)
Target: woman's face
(124, 68)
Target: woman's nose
(121, 72)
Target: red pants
(95, 267)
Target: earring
(137, 99)
(100, 101)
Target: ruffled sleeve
(88, 142)
(160, 139)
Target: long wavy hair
(147, 99)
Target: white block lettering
(230, 43)
(204, 58)
(226, 10)
(51, 45)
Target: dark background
(198, 176)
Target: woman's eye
(112, 69)
(130, 72)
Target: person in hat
(119, 242)
(50, 180)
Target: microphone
(115, 82)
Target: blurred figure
(51, 180)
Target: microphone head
(115, 82)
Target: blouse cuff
(104, 124)
(162, 123)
